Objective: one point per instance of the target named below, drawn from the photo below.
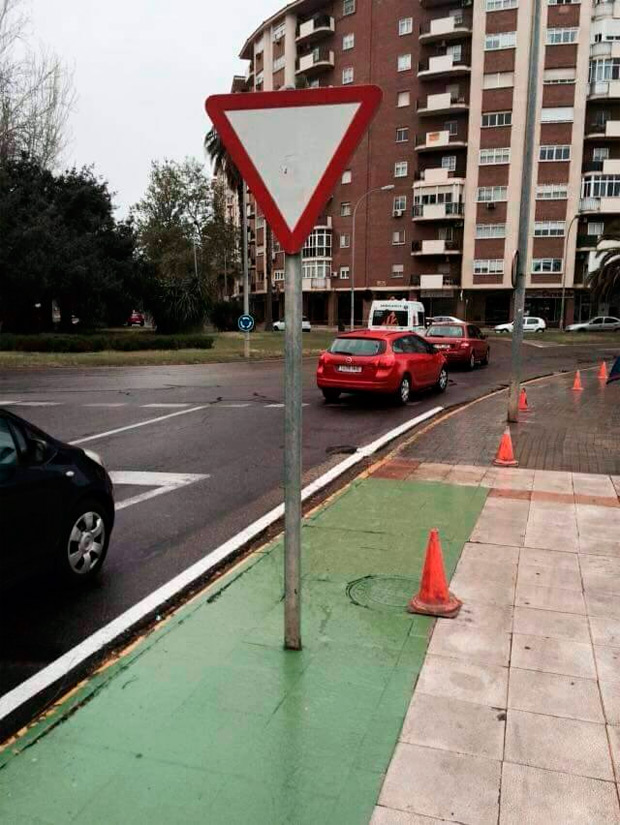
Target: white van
(399, 316)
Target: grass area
(228, 346)
(555, 336)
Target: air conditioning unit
(398, 213)
(490, 206)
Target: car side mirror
(38, 450)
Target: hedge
(123, 342)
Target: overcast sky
(142, 70)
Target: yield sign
(291, 147)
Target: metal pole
(246, 275)
(524, 214)
(292, 451)
(564, 263)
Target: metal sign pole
(292, 451)
(246, 274)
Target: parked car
(136, 319)
(443, 319)
(56, 505)
(461, 343)
(602, 323)
(279, 326)
(530, 324)
(393, 363)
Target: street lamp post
(386, 188)
(564, 262)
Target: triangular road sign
(291, 147)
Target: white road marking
(161, 482)
(38, 403)
(6, 402)
(164, 406)
(233, 406)
(103, 637)
(273, 406)
(107, 406)
(134, 426)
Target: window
(601, 186)
(492, 194)
(278, 274)
(345, 209)
(490, 230)
(595, 228)
(554, 153)
(279, 63)
(500, 5)
(456, 51)
(564, 2)
(489, 266)
(489, 157)
(555, 76)
(348, 42)
(316, 269)
(403, 99)
(498, 80)
(8, 451)
(449, 162)
(452, 127)
(398, 237)
(348, 7)
(345, 240)
(557, 114)
(549, 229)
(542, 265)
(347, 176)
(344, 273)
(398, 270)
(402, 134)
(490, 119)
(400, 204)
(558, 37)
(600, 153)
(278, 32)
(401, 169)
(318, 244)
(404, 62)
(501, 40)
(603, 70)
(347, 75)
(552, 192)
(405, 25)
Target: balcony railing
(587, 241)
(315, 61)
(438, 140)
(320, 26)
(434, 104)
(442, 26)
(436, 246)
(438, 210)
(608, 89)
(445, 63)
(593, 166)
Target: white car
(278, 326)
(444, 319)
(603, 323)
(530, 324)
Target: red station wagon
(461, 343)
(393, 363)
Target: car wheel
(487, 357)
(331, 396)
(141, 323)
(404, 391)
(471, 364)
(442, 381)
(84, 542)
(540, 329)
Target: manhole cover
(388, 593)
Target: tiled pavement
(516, 715)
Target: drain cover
(388, 593)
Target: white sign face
(301, 141)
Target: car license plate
(349, 369)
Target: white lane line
(273, 406)
(233, 406)
(134, 426)
(6, 402)
(103, 637)
(107, 406)
(164, 406)
(161, 482)
(38, 403)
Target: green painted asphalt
(209, 720)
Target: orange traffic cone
(523, 406)
(434, 598)
(577, 382)
(505, 455)
(602, 373)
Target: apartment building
(449, 139)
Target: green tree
(604, 281)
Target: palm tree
(604, 281)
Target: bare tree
(36, 93)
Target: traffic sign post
(291, 147)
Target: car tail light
(323, 358)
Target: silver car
(602, 323)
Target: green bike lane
(209, 720)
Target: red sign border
(369, 97)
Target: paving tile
(516, 495)
(550, 598)
(613, 732)
(553, 482)
(476, 588)
(554, 559)
(474, 644)
(549, 577)
(491, 553)
(601, 573)
(602, 523)
(475, 570)
(467, 681)
(469, 785)
(552, 656)
(596, 546)
(465, 474)
(616, 483)
(553, 743)
(541, 797)
(555, 695)
(605, 631)
(585, 484)
(502, 521)
(496, 617)
(607, 663)
(390, 816)
(449, 724)
(431, 472)
(552, 526)
(610, 693)
(549, 623)
(602, 603)
(516, 478)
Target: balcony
(442, 104)
(433, 4)
(310, 31)
(315, 284)
(604, 90)
(444, 28)
(426, 177)
(438, 211)
(438, 141)
(436, 247)
(587, 241)
(444, 65)
(315, 63)
(593, 166)
(607, 48)
(605, 8)
(603, 131)
(249, 74)
(600, 205)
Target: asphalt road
(223, 423)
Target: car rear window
(357, 346)
(390, 318)
(444, 331)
